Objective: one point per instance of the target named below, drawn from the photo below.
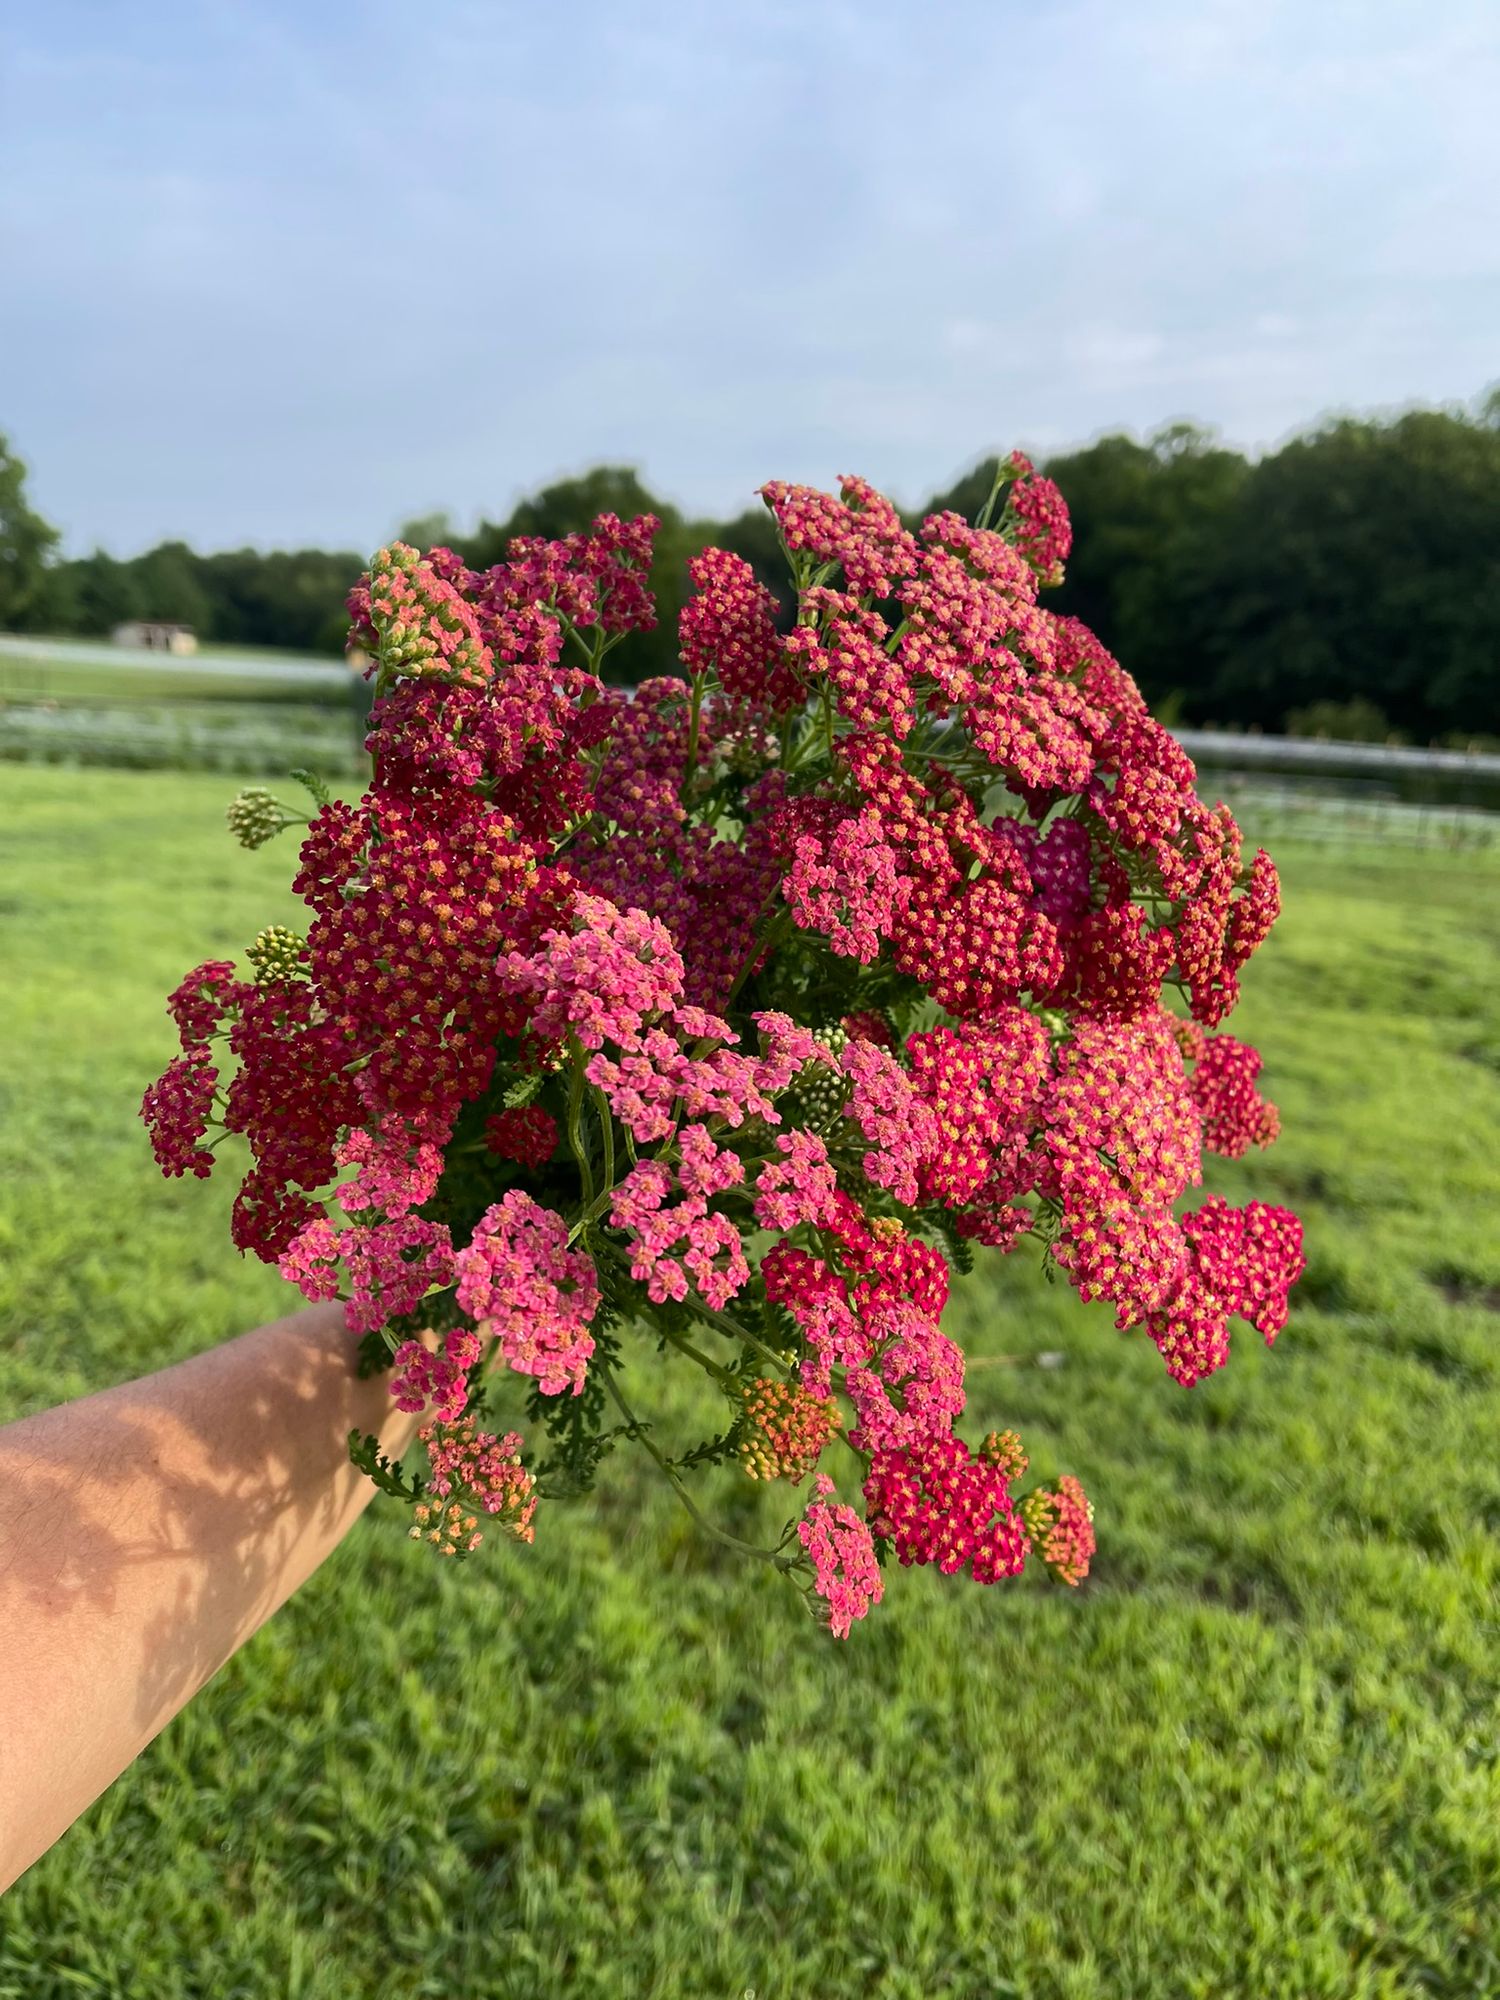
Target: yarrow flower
(675, 1247)
(601, 982)
(841, 1550)
(176, 1109)
(797, 1187)
(786, 1429)
(700, 1022)
(841, 877)
(421, 1377)
(524, 1132)
(473, 1474)
(524, 1287)
(1062, 1526)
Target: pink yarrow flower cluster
(846, 1574)
(527, 1290)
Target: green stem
(733, 1331)
(690, 765)
(721, 1375)
(575, 1105)
(607, 1126)
(592, 1213)
(764, 941)
(637, 1430)
(997, 487)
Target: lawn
(1258, 1753)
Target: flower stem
(575, 1142)
(684, 1346)
(695, 713)
(607, 1126)
(722, 1323)
(637, 1430)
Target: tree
(281, 597)
(1140, 514)
(1360, 562)
(170, 588)
(26, 544)
(103, 593)
(429, 531)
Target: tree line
(1347, 583)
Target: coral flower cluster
(706, 1024)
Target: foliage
(26, 543)
(1354, 721)
(242, 597)
(1360, 561)
(1257, 1748)
(384, 1473)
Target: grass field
(246, 714)
(1258, 1753)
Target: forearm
(146, 1532)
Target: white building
(155, 636)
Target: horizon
(284, 281)
(462, 529)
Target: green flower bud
(817, 1092)
(254, 816)
(278, 953)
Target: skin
(146, 1532)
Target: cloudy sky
(290, 271)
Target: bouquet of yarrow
(711, 1022)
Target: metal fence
(72, 702)
(1350, 794)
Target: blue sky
(292, 273)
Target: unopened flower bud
(254, 815)
(818, 1090)
(277, 954)
(1005, 1450)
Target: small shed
(153, 635)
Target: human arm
(146, 1532)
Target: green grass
(1258, 1753)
